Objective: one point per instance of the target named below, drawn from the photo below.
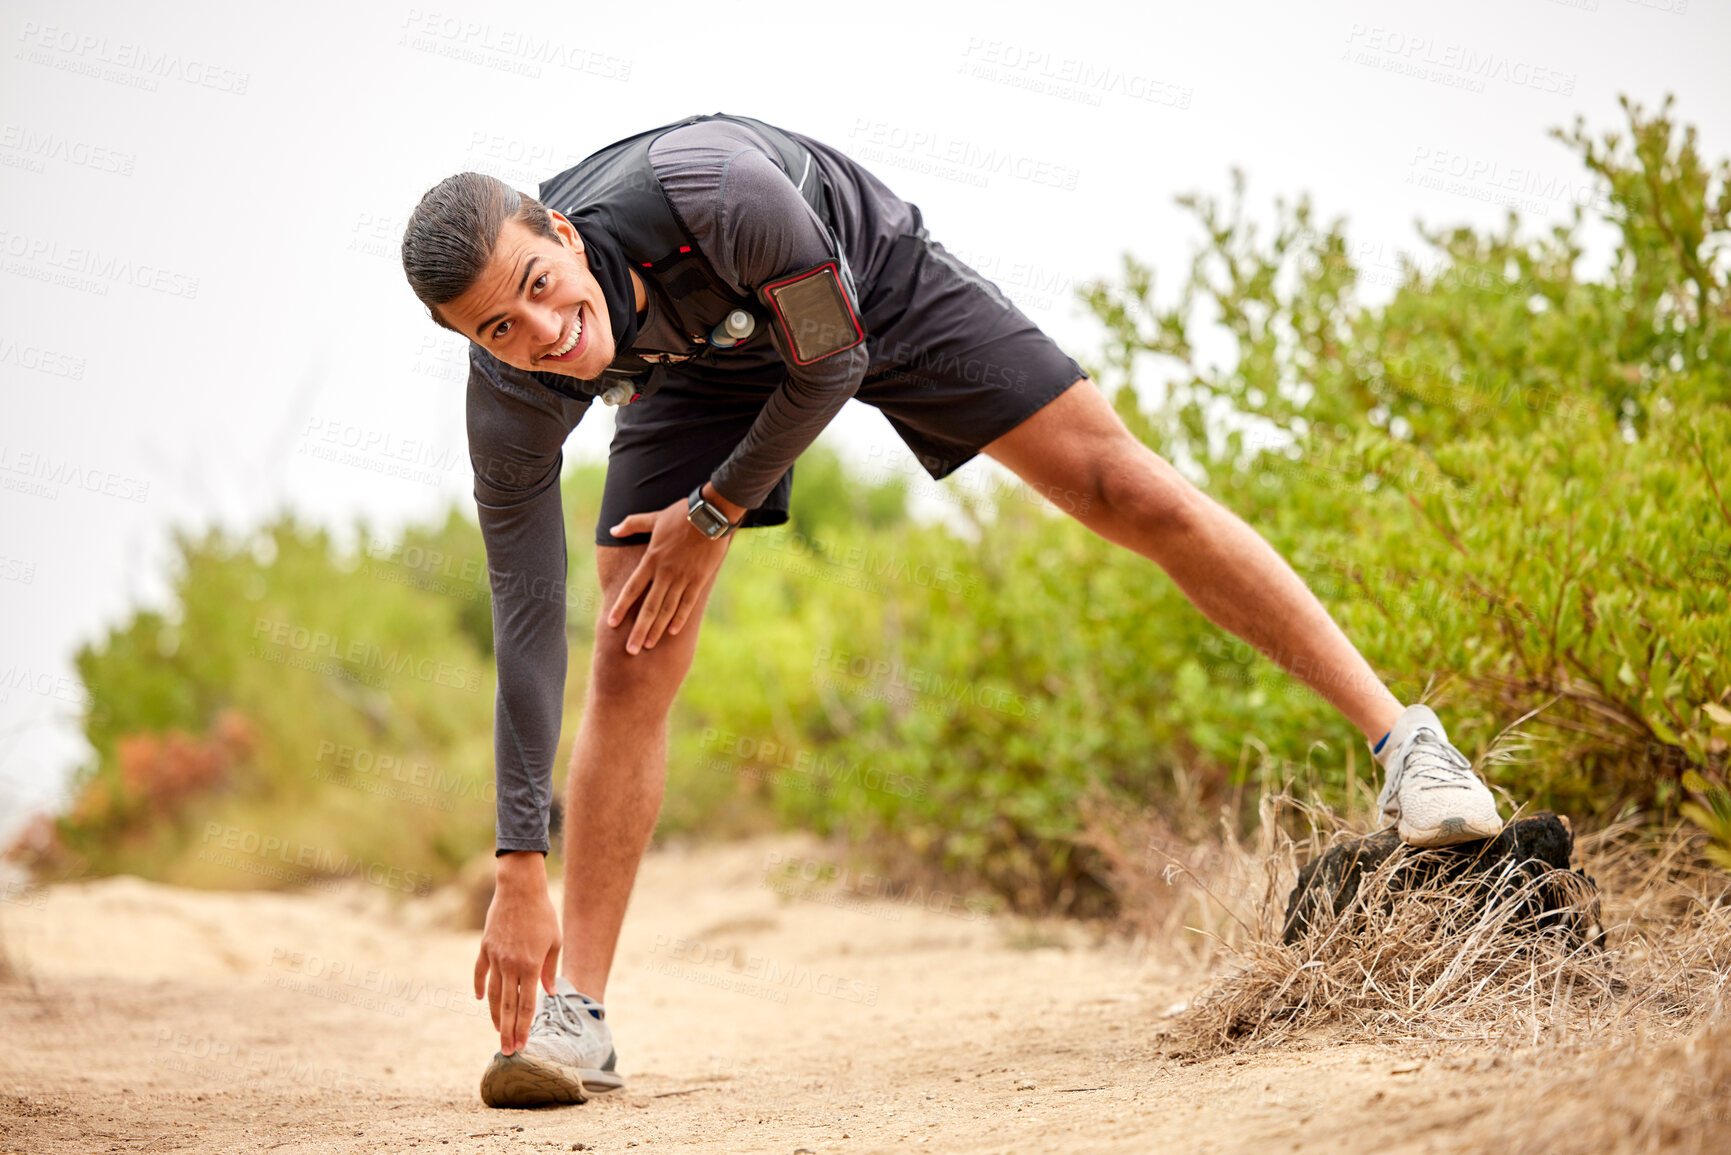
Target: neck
(637, 291)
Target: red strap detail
(685, 248)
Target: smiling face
(536, 305)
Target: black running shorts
(952, 363)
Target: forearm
(516, 430)
(526, 562)
(790, 421)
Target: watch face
(708, 522)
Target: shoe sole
(1449, 832)
(521, 1081)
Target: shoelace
(1435, 764)
(553, 1007)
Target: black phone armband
(815, 312)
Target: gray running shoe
(568, 1058)
(1431, 791)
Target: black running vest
(615, 190)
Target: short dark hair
(451, 234)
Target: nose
(543, 325)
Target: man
(731, 285)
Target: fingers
(481, 978)
(646, 616)
(635, 523)
(670, 606)
(495, 988)
(509, 1005)
(630, 592)
(525, 1008)
(550, 969)
(686, 605)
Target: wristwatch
(710, 521)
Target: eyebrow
(497, 317)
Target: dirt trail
(150, 1018)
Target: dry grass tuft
(1436, 964)
(1674, 1097)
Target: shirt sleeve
(754, 226)
(517, 430)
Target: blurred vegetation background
(1510, 485)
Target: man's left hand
(672, 574)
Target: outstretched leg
(1137, 499)
(618, 770)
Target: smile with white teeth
(571, 341)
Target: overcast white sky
(200, 205)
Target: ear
(566, 230)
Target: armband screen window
(814, 313)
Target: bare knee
(642, 684)
(1133, 491)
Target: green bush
(1506, 483)
(1509, 483)
(334, 708)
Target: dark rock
(1531, 849)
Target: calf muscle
(618, 770)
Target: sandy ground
(149, 1018)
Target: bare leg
(618, 770)
(1134, 497)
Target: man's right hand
(520, 943)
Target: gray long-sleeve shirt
(752, 225)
